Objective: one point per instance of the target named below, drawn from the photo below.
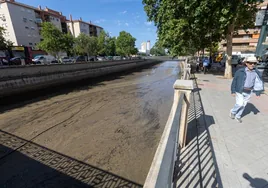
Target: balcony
(38, 21)
(240, 48)
(242, 40)
(245, 40)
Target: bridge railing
(161, 173)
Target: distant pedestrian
(206, 64)
(246, 81)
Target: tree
(80, 44)
(4, 44)
(135, 51)
(85, 44)
(238, 14)
(53, 39)
(125, 44)
(185, 27)
(92, 46)
(111, 46)
(157, 50)
(68, 43)
(102, 43)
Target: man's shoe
(238, 120)
(232, 116)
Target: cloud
(124, 12)
(127, 24)
(118, 22)
(100, 21)
(148, 23)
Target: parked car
(80, 59)
(44, 59)
(66, 60)
(235, 59)
(15, 61)
(99, 58)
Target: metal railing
(161, 173)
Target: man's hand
(233, 94)
(258, 96)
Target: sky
(113, 15)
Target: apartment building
(247, 40)
(23, 23)
(20, 23)
(79, 26)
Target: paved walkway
(241, 149)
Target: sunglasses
(252, 63)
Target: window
(57, 19)
(26, 27)
(30, 20)
(25, 19)
(4, 25)
(30, 43)
(0, 5)
(32, 28)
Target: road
(114, 124)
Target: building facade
(75, 27)
(247, 40)
(145, 47)
(23, 23)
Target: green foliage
(80, 43)
(102, 39)
(54, 41)
(157, 50)
(68, 43)
(125, 44)
(4, 44)
(185, 27)
(85, 44)
(92, 46)
(134, 51)
(213, 48)
(110, 49)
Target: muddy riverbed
(114, 125)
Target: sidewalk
(241, 149)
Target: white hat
(250, 59)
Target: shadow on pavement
(197, 165)
(255, 182)
(250, 108)
(26, 164)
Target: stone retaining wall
(20, 79)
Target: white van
(44, 59)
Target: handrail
(161, 171)
(174, 136)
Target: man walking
(246, 81)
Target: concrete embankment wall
(20, 79)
